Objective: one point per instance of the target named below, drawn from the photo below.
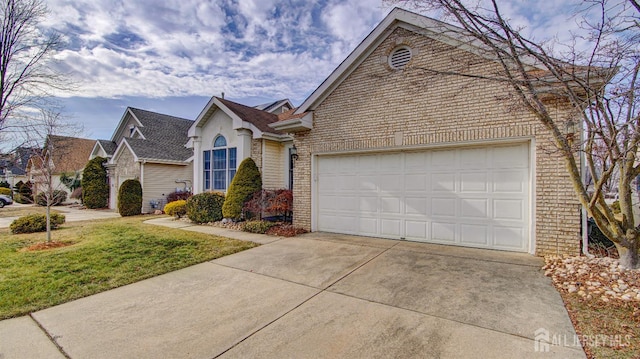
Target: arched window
(219, 165)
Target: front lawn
(102, 255)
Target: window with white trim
(219, 165)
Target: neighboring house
(13, 166)
(387, 151)
(149, 147)
(60, 155)
(225, 133)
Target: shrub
(5, 184)
(22, 193)
(130, 198)
(205, 207)
(35, 223)
(260, 227)
(176, 208)
(5, 190)
(95, 189)
(246, 181)
(285, 230)
(57, 198)
(176, 196)
(273, 202)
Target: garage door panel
(390, 227)
(416, 206)
(368, 164)
(474, 182)
(390, 205)
(368, 205)
(509, 181)
(417, 230)
(443, 231)
(475, 196)
(474, 158)
(443, 207)
(443, 159)
(503, 237)
(474, 235)
(509, 209)
(368, 226)
(416, 182)
(416, 162)
(443, 182)
(474, 208)
(515, 156)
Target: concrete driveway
(315, 296)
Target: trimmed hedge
(176, 208)
(4, 190)
(205, 207)
(246, 181)
(59, 196)
(130, 198)
(35, 223)
(95, 189)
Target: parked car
(5, 200)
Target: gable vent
(400, 57)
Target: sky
(171, 56)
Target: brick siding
(376, 107)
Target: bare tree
(26, 53)
(42, 167)
(596, 74)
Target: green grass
(103, 255)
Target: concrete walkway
(313, 296)
(71, 214)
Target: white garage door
(476, 196)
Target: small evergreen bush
(95, 189)
(35, 223)
(57, 199)
(5, 184)
(6, 191)
(260, 227)
(22, 193)
(176, 208)
(246, 181)
(205, 207)
(130, 198)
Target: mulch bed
(43, 246)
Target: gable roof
(251, 118)
(69, 154)
(272, 106)
(429, 27)
(163, 137)
(109, 147)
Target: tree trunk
(629, 255)
(48, 222)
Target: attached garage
(467, 196)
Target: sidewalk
(71, 214)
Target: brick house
(387, 151)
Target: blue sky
(171, 56)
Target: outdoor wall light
(570, 130)
(293, 152)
